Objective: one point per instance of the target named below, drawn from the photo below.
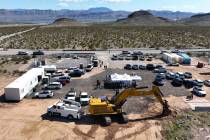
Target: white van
(54, 85)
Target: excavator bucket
(166, 111)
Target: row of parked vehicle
(83, 97)
(180, 79)
(136, 55)
(143, 67)
(69, 107)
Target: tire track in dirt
(83, 135)
(112, 130)
(93, 129)
(142, 129)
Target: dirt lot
(27, 119)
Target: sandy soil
(29, 125)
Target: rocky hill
(199, 19)
(144, 18)
(66, 22)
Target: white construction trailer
(24, 85)
(172, 58)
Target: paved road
(111, 51)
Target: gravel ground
(133, 104)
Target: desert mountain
(144, 18)
(98, 14)
(199, 19)
(66, 22)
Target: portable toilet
(186, 58)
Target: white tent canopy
(124, 77)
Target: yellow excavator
(105, 108)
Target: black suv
(39, 52)
(128, 66)
(150, 67)
(178, 82)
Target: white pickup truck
(66, 108)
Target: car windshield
(84, 96)
(70, 95)
(44, 93)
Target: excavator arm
(104, 107)
(120, 99)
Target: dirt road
(14, 34)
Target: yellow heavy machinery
(105, 108)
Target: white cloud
(111, 1)
(116, 1)
(63, 4)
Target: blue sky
(129, 5)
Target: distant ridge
(66, 22)
(144, 18)
(198, 20)
(98, 14)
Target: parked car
(54, 85)
(137, 53)
(150, 58)
(39, 52)
(188, 75)
(158, 66)
(178, 82)
(135, 57)
(71, 95)
(70, 69)
(175, 51)
(89, 67)
(128, 66)
(120, 58)
(135, 67)
(62, 109)
(170, 75)
(198, 83)
(22, 53)
(160, 76)
(150, 66)
(114, 57)
(57, 74)
(207, 83)
(75, 57)
(142, 67)
(142, 58)
(173, 64)
(159, 82)
(160, 70)
(198, 91)
(128, 57)
(63, 79)
(84, 98)
(76, 73)
(188, 83)
(44, 94)
(125, 52)
(181, 75)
